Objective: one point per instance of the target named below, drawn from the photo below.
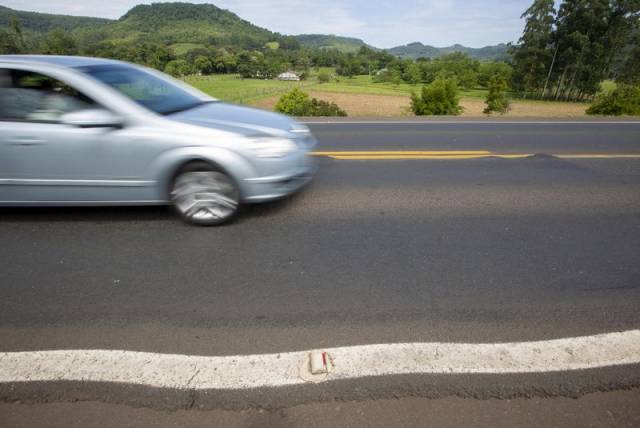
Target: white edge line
(187, 372)
(466, 122)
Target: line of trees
(266, 62)
(565, 54)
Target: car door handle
(26, 141)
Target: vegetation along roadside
(580, 57)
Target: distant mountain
(188, 23)
(43, 22)
(418, 50)
(323, 41)
(186, 26)
(180, 24)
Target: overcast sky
(381, 23)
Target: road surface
(455, 232)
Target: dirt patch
(474, 108)
(356, 104)
(394, 105)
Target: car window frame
(98, 105)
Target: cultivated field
(360, 96)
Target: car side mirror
(91, 118)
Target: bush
(438, 98)
(298, 103)
(497, 100)
(324, 77)
(294, 103)
(624, 100)
(324, 108)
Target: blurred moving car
(89, 131)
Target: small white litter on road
(273, 370)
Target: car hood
(241, 120)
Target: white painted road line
(273, 370)
(471, 121)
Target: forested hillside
(322, 41)
(418, 50)
(43, 22)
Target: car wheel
(204, 195)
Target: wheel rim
(205, 195)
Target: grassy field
(366, 85)
(360, 96)
(232, 88)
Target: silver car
(89, 131)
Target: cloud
(298, 16)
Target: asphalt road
(374, 251)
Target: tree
(497, 101)
(250, 64)
(629, 70)
(438, 98)
(459, 66)
(178, 68)
(59, 42)
(223, 61)
(533, 57)
(202, 65)
(349, 66)
(627, 67)
(566, 57)
(12, 42)
(489, 70)
(411, 73)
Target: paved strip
(274, 370)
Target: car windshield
(150, 91)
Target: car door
(46, 161)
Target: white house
(288, 76)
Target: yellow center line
(459, 154)
(598, 156)
(403, 152)
(443, 157)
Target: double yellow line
(457, 154)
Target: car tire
(204, 195)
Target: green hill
(418, 50)
(322, 41)
(171, 23)
(186, 26)
(43, 22)
(178, 24)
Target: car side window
(34, 97)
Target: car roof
(61, 60)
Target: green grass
(245, 91)
(183, 48)
(231, 88)
(365, 85)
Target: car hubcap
(205, 195)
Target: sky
(381, 23)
